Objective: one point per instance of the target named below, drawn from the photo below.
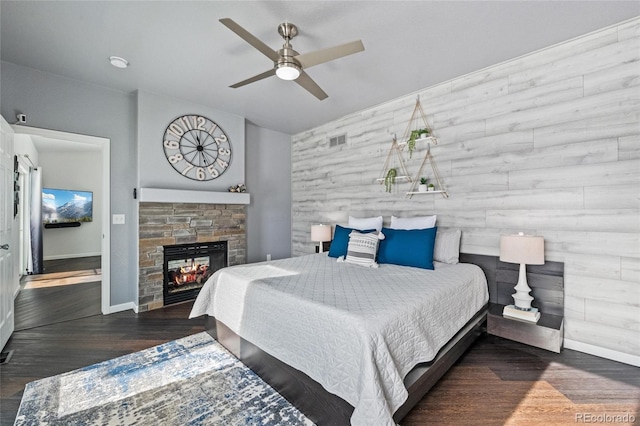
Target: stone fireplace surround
(163, 223)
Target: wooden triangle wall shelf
(400, 173)
(417, 132)
(436, 175)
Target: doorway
(44, 139)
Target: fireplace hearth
(188, 266)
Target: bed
(342, 342)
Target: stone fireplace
(168, 224)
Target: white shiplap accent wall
(548, 144)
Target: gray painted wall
(155, 112)
(82, 171)
(68, 105)
(269, 183)
(60, 103)
(548, 144)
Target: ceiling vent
(337, 140)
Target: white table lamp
(525, 250)
(320, 234)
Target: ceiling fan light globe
(287, 71)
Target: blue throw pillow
(408, 247)
(340, 240)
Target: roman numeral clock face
(197, 148)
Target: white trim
(106, 226)
(71, 256)
(104, 145)
(157, 195)
(602, 352)
(123, 307)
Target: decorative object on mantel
(320, 234)
(393, 173)
(525, 250)
(238, 188)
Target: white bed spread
(357, 331)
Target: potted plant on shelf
(423, 133)
(423, 185)
(431, 187)
(390, 179)
(415, 135)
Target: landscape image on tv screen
(63, 205)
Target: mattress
(356, 331)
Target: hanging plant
(415, 134)
(411, 143)
(390, 179)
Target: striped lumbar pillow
(363, 248)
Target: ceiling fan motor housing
(287, 30)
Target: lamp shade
(525, 249)
(320, 233)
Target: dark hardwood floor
(73, 264)
(496, 382)
(35, 307)
(57, 348)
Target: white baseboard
(71, 256)
(123, 307)
(603, 352)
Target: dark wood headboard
(546, 281)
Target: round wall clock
(196, 147)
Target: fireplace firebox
(188, 266)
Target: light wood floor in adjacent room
(496, 382)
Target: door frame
(9, 283)
(104, 144)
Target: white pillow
(447, 246)
(420, 222)
(363, 248)
(365, 223)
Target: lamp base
(530, 315)
(521, 297)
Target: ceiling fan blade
(308, 84)
(255, 78)
(308, 60)
(251, 39)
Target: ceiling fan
(289, 64)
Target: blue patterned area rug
(189, 381)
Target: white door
(7, 278)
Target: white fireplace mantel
(158, 195)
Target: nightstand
(547, 333)
(326, 245)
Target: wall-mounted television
(66, 206)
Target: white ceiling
(179, 49)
